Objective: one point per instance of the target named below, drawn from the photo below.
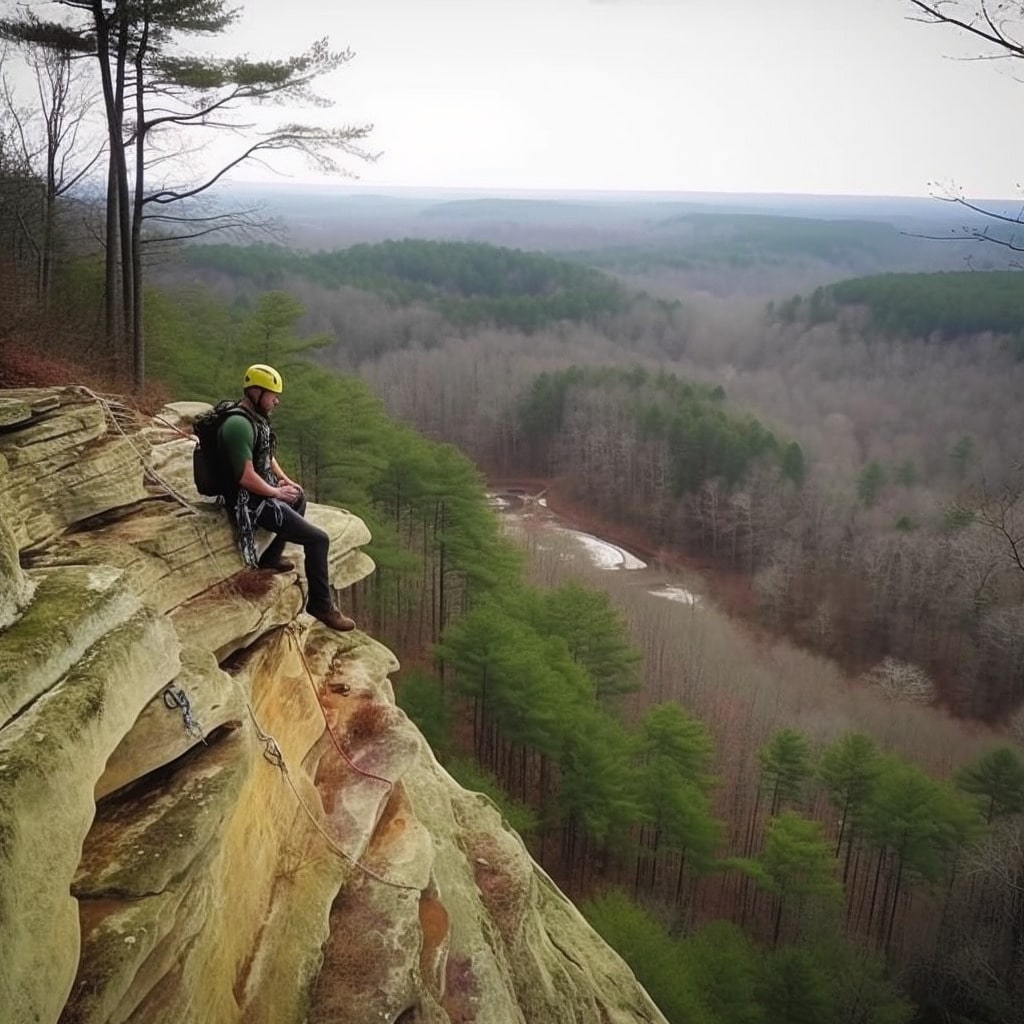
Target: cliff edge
(211, 809)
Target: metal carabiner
(175, 698)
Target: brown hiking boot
(281, 565)
(333, 619)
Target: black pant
(295, 528)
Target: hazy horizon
(808, 97)
(644, 98)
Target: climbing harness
(245, 525)
(175, 697)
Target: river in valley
(738, 678)
(528, 519)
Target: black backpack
(210, 471)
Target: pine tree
(919, 824)
(150, 87)
(785, 767)
(848, 770)
(595, 635)
(797, 867)
(998, 778)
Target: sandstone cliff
(211, 809)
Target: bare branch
(990, 31)
(312, 142)
(969, 233)
(1002, 513)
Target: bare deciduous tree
(150, 87)
(901, 681)
(54, 141)
(1000, 511)
(997, 25)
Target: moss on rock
(50, 757)
(70, 610)
(13, 411)
(144, 843)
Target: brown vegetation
(370, 720)
(503, 888)
(461, 990)
(40, 350)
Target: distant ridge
(460, 201)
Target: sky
(793, 96)
(847, 97)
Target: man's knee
(318, 536)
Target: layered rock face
(211, 809)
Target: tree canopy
(467, 282)
(943, 306)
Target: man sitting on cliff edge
(263, 495)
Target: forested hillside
(818, 456)
(466, 283)
(730, 809)
(804, 803)
(946, 305)
(726, 245)
(863, 486)
(618, 772)
(526, 692)
(621, 788)
(693, 240)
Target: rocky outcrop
(211, 809)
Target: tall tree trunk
(895, 904)
(440, 520)
(849, 852)
(136, 326)
(874, 890)
(842, 825)
(46, 267)
(123, 196)
(777, 928)
(112, 249)
(639, 871)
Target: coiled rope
(176, 697)
(110, 406)
(108, 403)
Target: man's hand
(288, 492)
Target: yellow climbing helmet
(259, 375)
